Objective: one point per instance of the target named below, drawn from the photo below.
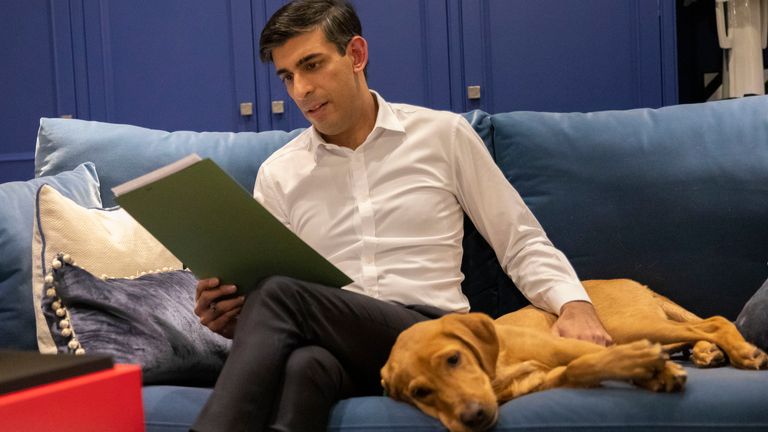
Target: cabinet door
(408, 56)
(566, 55)
(35, 79)
(276, 108)
(408, 50)
(170, 64)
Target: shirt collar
(385, 120)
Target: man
(380, 190)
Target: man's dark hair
(337, 18)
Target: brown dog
(460, 367)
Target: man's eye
(311, 66)
(420, 392)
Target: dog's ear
(478, 331)
(386, 380)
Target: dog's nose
(474, 416)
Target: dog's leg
(706, 355)
(640, 360)
(674, 311)
(520, 379)
(716, 330)
(637, 361)
(703, 354)
(670, 379)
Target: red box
(108, 400)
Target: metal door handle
(473, 92)
(246, 109)
(278, 107)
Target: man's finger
(224, 306)
(205, 284)
(218, 324)
(210, 295)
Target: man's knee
(315, 365)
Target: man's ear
(478, 332)
(357, 50)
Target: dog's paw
(670, 379)
(640, 360)
(750, 357)
(706, 355)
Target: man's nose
(302, 86)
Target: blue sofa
(676, 198)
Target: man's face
(324, 84)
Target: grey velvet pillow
(753, 318)
(148, 320)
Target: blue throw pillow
(753, 319)
(17, 209)
(148, 320)
(123, 152)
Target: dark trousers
(298, 349)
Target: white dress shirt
(390, 213)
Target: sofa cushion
(148, 320)
(481, 123)
(122, 152)
(676, 197)
(106, 242)
(716, 399)
(17, 209)
(486, 284)
(752, 321)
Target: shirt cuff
(561, 294)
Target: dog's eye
(454, 359)
(420, 392)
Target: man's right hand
(215, 309)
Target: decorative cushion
(107, 242)
(753, 319)
(123, 152)
(147, 320)
(17, 209)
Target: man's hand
(217, 311)
(579, 320)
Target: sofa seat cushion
(722, 399)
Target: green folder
(217, 229)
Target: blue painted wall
(189, 64)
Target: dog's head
(445, 368)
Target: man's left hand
(579, 320)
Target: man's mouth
(314, 108)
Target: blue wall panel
(408, 47)
(188, 64)
(408, 53)
(174, 64)
(35, 78)
(16, 167)
(563, 55)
